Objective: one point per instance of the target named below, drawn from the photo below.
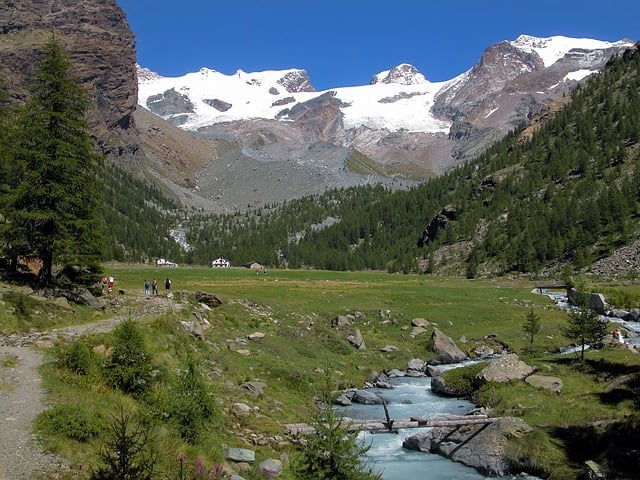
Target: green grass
(294, 308)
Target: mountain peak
(403, 74)
(295, 81)
(146, 75)
(552, 49)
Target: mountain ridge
(239, 89)
(408, 128)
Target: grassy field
(300, 349)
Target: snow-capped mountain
(400, 99)
(206, 97)
(401, 125)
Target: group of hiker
(154, 286)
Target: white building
(161, 262)
(220, 262)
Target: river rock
(439, 386)
(595, 301)
(366, 397)
(432, 371)
(416, 364)
(482, 447)
(445, 348)
(342, 400)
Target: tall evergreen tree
(4, 143)
(53, 211)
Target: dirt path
(22, 397)
(21, 400)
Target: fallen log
(392, 426)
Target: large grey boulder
(416, 365)
(482, 447)
(445, 348)
(553, 384)
(505, 368)
(439, 386)
(240, 455)
(366, 397)
(595, 301)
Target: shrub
(129, 367)
(22, 304)
(190, 404)
(72, 421)
(75, 357)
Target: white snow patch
(578, 75)
(491, 112)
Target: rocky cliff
(96, 35)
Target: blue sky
(345, 42)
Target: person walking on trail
(154, 286)
(146, 288)
(167, 285)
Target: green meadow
(300, 351)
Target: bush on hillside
(73, 421)
(129, 367)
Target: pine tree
(332, 452)
(53, 207)
(4, 145)
(584, 327)
(531, 327)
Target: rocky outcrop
(97, 37)
(444, 218)
(483, 447)
(296, 81)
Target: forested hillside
(568, 195)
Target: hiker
(111, 282)
(154, 286)
(167, 284)
(146, 287)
